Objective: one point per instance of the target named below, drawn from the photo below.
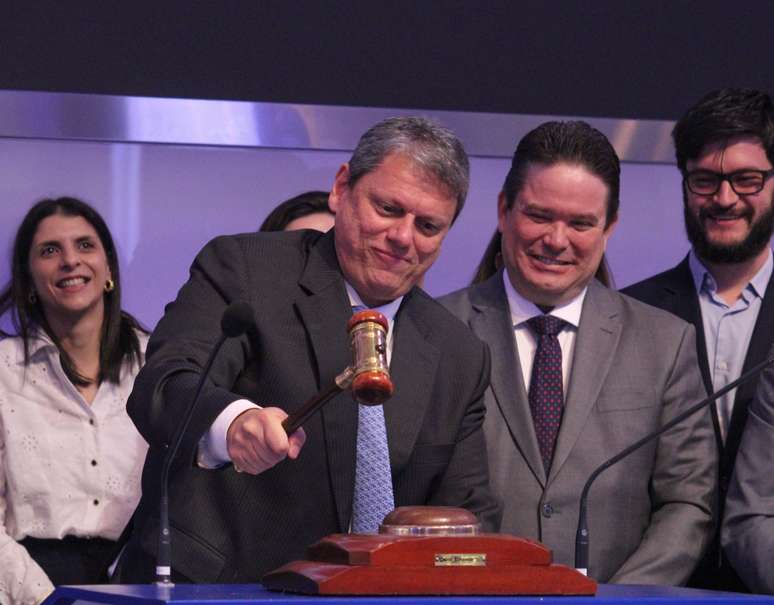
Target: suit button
(547, 509)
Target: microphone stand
(164, 556)
(236, 320)
(582, 534)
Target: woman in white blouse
(70, 457)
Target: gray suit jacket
(748, 527)
(634, 368)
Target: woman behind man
(70, 457)
(309, 210)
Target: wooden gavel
(368, 376)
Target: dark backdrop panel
(602, 58)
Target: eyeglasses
(743, 182)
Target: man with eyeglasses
(725, 151)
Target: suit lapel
(492, 324)
(413, 367)
(324, 312)
(682, 300)
(678, 296)
(595, 349)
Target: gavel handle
(301, 415)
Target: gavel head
(371, 384)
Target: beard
(753, 244)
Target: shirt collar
(39, 340)
(389, 310)
(702, 278)
(523, 309)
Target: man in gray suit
(626, 369)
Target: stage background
(163, 202)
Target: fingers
(297, 440)
(257, 441)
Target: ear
(502, 211)
(339, 189)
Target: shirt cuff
(213, 447)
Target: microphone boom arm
(237, 319)
(582, 534)
(164, 556)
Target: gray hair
(434, 149)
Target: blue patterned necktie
(373, 497)
(546, 396)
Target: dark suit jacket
(674, 291)
(229, 527)
(634, 368)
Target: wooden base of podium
(484, 564)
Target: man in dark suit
(626, 369)
(246, 497)
(725, 151)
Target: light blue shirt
(728, 329)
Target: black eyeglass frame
(721, 176)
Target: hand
(256, 440)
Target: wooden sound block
(382, 550)
(484, 564)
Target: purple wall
(164, 202)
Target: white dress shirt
(526, 342)
(67, 467)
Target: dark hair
(435, 149)
(574, 143)
(310, 202)
(491, 262)
(721, 115)
(118, 341)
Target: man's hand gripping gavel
(259, 439)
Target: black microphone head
(237, 319)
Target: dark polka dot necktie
(546, 397)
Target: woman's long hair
(118, 341)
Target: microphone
(582, 534)
(368, 376)
(237, 319)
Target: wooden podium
(428, 551)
